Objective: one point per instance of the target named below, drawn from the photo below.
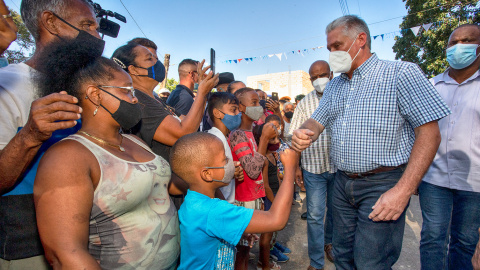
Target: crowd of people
(99, 169)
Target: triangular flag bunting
(313, 49)
(251, 59)
(239, 60)
(246, 59)
(375, 37)
(427, 26)
(382, 36)
(235, 61)
(270, 55)
(279, 55)
(285, 55)
(415, 29)
(293, 52)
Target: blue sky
(246, 28)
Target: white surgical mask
(341, 61)
(320, 84)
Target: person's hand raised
(272, 105)
(289, 158)
(207, 84)
(269, 131)
(51, 113)
(8, 29)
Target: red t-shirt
(244, 149)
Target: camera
(107, 27)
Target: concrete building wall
(285, 83)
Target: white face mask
(341, 61)
(320, 84)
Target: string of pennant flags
(280, 56)
(284, 55)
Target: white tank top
(133, 223)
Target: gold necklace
(105, 142)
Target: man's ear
(331, 75)
(206, 175)
(362, 37)
(93, 94)
(49, 22)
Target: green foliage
(171, 84)
(427, 49)
(23, 47)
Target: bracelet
(9, 15)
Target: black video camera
(107, 27)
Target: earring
(96, 110)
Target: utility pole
(166, 63)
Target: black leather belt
(374, 171)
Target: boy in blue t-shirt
(211, 228)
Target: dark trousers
(451, 219)
(358, 242)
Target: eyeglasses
(129, 89)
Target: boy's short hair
(273, 117)
(218, 99)
(242, 91)
(191, 152)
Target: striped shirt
(316, 158)
(373, 115)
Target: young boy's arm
(266, 184)
(251, 161)
(276, 218)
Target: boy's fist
(269, 131)
(238, 171)
(289, 158)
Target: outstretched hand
(208, 82)
(289, 158)
(301, 139)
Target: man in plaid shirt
(318, 172)
(382, 115)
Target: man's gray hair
(31, 11)
(352, 26)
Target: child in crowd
(249, 193)
(268, 246)
(210, 228)
(223, 111)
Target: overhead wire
(288, 42)
(15, 4)
(133, 19)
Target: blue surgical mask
(232, 122)
(461, 56)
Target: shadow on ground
(295, 237)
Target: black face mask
(289, 115)
(263, 103)
(127, 115)
(156, 72)
(96, 45)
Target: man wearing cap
(224, 79)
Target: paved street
(295, 237)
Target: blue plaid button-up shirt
(373, 115)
